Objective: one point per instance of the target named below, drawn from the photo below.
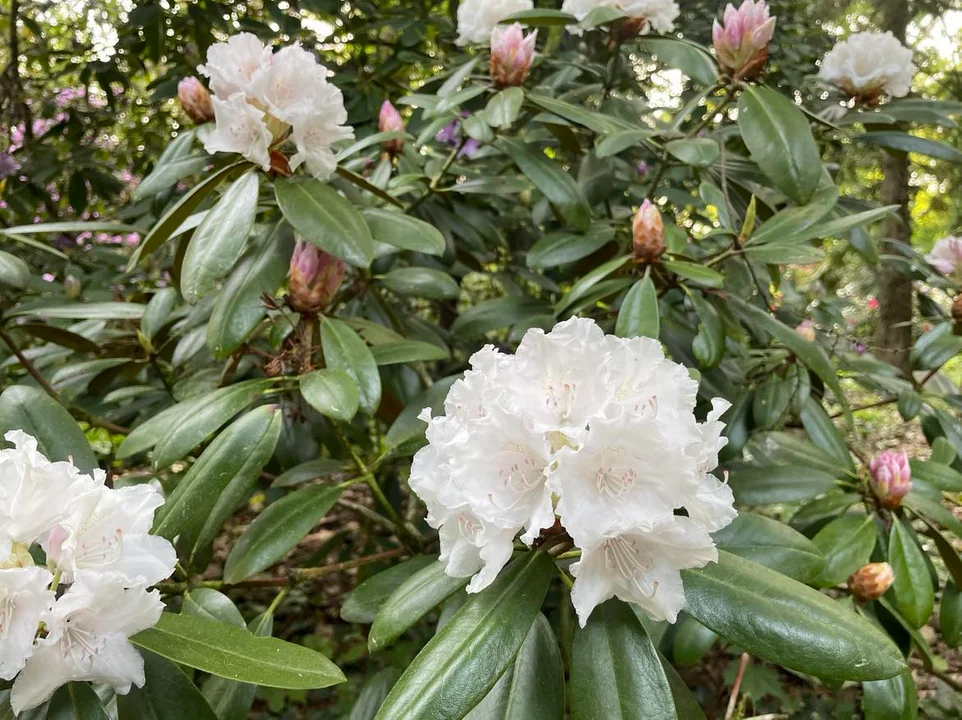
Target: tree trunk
(893, 338)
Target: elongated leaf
(615, 671)
(362, 605)
(408, 351)
(412, 600)
(541, 17)
(584, 284)
(344, 350)
(847, 543)
(556, 185)
(496, 314)
(595, 121)
(85, 311)
(311, 470)
(691, 59)
(236, 654)
(950, 615)
(168, 694)
(14, 272)
(212, 605)
(58, 436)
(277, 530)
(639, 315)
(331, 392)
(60, 336)
(698, 152)
(167, 175)
(157, 312)
(70, 227)
(77, 701)
(219, 240)
(696, 273)
(461, 664)
(772, 544)
(323, 217)
(231, 700)
(904, 142)
(686, 705)
(914, 595)
(403, 231)
(422, 282)
(823, 433)
(778, 483)
(891, 699)
(780, 140)
(563, 248)
(691, 642)
(373, 694)
(787, 623)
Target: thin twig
(436, 180)
(736, 687)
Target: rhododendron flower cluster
(101, 558)
(658, 15)
(262, 99)
(869, 65)
(946, 256)
(741, 40)
(597, 430)
(477, 18)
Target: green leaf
(556, 184)
(232, 700)
(847, 543)
(311, 470)
(203, 420)
(58, 436)
(950, 615)
(158, 312)
(534, 686)
(696, 273)
(691, 59)
(503, 108)
(691, 641)
(461, 664)
(61, 336)
(709, 344)
(324, 218)
(912, 588)
(172, 219)
(363, 603)
(77, 701)
(904, 142)
(85, 311)
(422, 282)
(686, 705)
(166, 175)
(823, 433)
(373, 694)
(369, 141)
(780, 620)
(168, 694)
(615, 670)
(331, 392)
(220, 239)
(639, 315)
(403, 231)
(586, 282)
(541, 17)
(240, 451)
(496, 314)
(698, 152)
(785, 448)
(412, 600)
(772, 544)
(14, 272)
(891, 699)
(407, 430)
(344, 350)
(936, 347)
(277, 530)
(212, 604)
(236, 654)
(563, 248)
(70, 227)
(240, 308)
(595, 121)
(618, 142)
(407, 352)
(780, 140)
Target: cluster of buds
(315, 278)
(871, 581)
(741, 39)
(390, 120)
(195, 100)
(512, 53)
(891, 477)
(648, 234)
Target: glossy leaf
(331, 392)
(912, 588)
(408, 351)
(168, 694)
(691, 59)
(823, 433)
(772, 484)
(950, 615)
(639, 314)
(364, 602)
(344, 350)
(77, 701)
(563, 248)
(158, 312)
(891, 699)
(422, 282)
(847, 543)
(212, 604)
(231, 700)
(772, 544)
(14, 272)
(912, 144)
(403, 231)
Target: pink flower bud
(390, 120)
(195, 100)
(741, 41)
(806, 329)
(648, 230)
(871, 581)
(511, 55)
(315, 278)
(891, 477)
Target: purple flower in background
(450, 134)
(470, 149)
(859, 347)
(8, 165)
(642, 168)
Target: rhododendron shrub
(493, 384)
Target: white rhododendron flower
(597, 430)
(868, 65)
(477, 18)
(946, 256)
(659, 15)
(263, 100)
(98, 546)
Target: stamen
(613, 484)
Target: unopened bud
(741, 43)
(511, 55)
(648, 230)
(195, 100)
(957, 315)
(71, 287)
(871, 581)
(806, 328)
(390, 120)
(315, 278)
(891, 477)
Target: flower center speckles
(560, 395)
(613, 483)
(7, 607)
(468, 527)
(622, 556)
(524, 474)
(79, 643)
(99, 548)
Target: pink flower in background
(872, 304)
(946, 256)
(195, 100)
(8, 165)
(741, 43)
(511, 55)
(891, 477)
(806, 329)
(390, 120)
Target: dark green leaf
(362, 605)
(950, 615)
(344, 350)
(691, 59)
(904, 142)
(772, 484)
(36, 413)
(496, 314)
(564, 248)
(699, 152)
(403, 231)
(772, 544)
(847, 543)
(231, 700)
(912, 588)
(639, 315)
(331, 392)
(14, 272)
(158, 312)
(77, 701)
(407, 352)
(168, 694)
(422, 282)
(212, 604)
(549, 177)
(891, 699)
(823, 433)
(696, 273)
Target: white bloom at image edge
(946, 256)
(867, 64)
(264, 99)
(102, 557)
(597, 430)
(660, 14)
(477, 18)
